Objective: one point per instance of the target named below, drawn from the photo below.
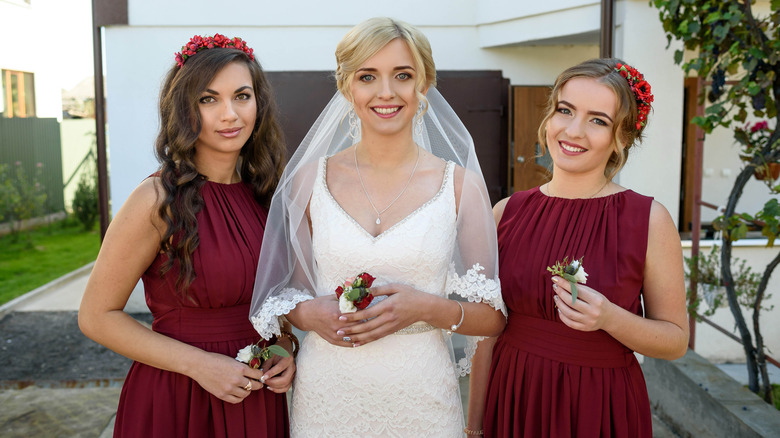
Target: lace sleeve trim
(266, 322)
(476, 287)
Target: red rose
(255, 362)
(362, 304)
(368, 280)
(339, 291)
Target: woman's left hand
(279, 371)
(403, 306)
(591, 311)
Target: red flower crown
(641, 90)
(198, 43)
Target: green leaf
(713, 17)
(678, 56)
(753, 88)
(720, 32)
(739, 232)
(682, 28)
(278, 350)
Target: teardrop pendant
(378, 221)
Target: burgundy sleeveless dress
(546, 379)
(158, 403)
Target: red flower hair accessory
(198, 43)
(642, 93)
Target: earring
(354, 126)
(418, 120)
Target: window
(18, 94)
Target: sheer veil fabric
(286, 272)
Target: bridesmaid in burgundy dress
(193, 233)
(566, 367)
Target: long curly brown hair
(261, 159)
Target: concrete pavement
(62, 409)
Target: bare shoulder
(141, 208)
(662, 233)
(498, 209)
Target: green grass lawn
(39, 256)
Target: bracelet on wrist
(455, 327)
(472, 432)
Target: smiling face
(580, 132)
(383, 91)
(227, 110)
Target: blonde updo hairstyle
(367, 38)
(624, 131)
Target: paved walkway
(87, 409)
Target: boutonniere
(573, 272)
(254, 355)
(355, 294)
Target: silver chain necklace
(379, 213)
(550, 193)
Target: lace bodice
(414, 251)
(385, 400)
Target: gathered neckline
(538, 189)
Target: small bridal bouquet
(573, 272)
(254, 355)
(355, 294)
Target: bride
(385, 182)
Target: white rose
(581, 276)
(245, 354)
(345, 305)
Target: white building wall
(28, 54)
(716, 346)
(286, 37)
(653, 168)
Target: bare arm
(131, 244)
(663, 333)
(480, 364)
(478, 381)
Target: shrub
(85, 201)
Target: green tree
(738, 51)
(30, 196)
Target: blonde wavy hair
(367, 38)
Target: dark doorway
(480, 98)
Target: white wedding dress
(404, 384)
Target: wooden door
(529, 168)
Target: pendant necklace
(379, 213)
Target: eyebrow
(245, 87)
(595, 113)
(400, 67)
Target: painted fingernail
(340, 332)
(262, 380)
(555, 286)
(355, 344)
(342, 318)
(555, 280)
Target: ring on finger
(347, 339)
(248, 385)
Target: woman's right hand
(320, 315)
(225, 377)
